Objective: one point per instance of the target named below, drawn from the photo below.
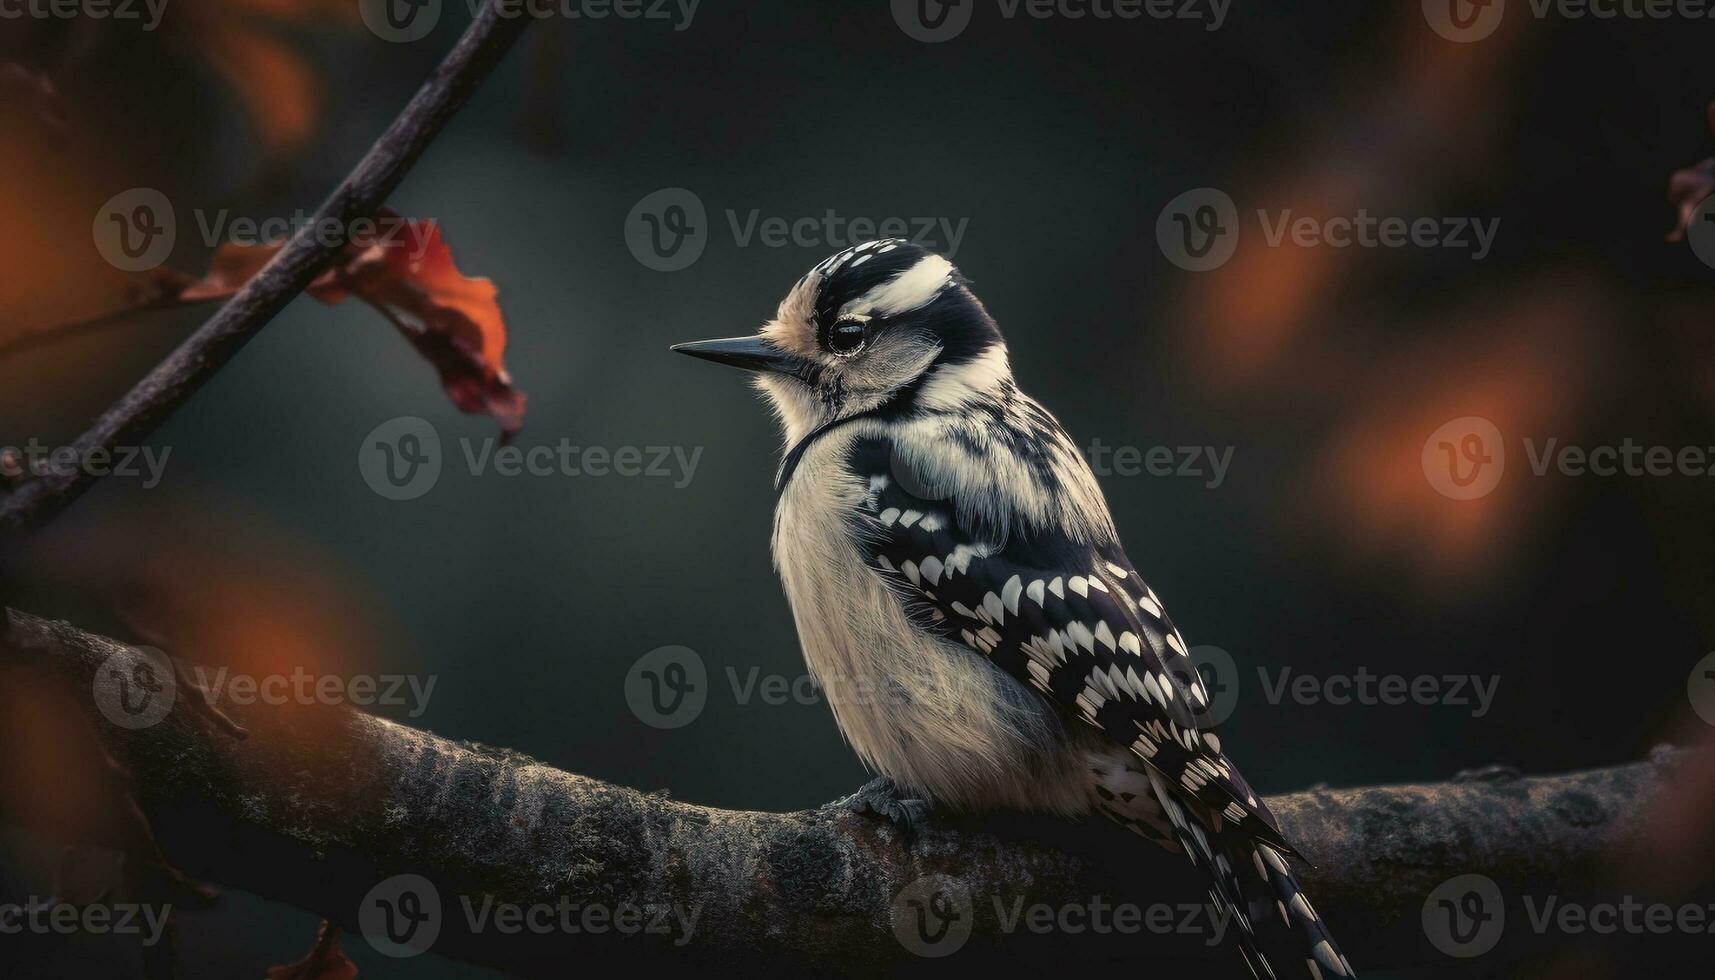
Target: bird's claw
(880, 798)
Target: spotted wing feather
(1073, 621)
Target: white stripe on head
(912, 289)
(953, 385)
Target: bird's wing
(1074, 621)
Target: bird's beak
(749, 353)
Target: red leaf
(407, 272)
(326, 961)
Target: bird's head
(879, 324)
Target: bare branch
(320, 804)
(360, 195)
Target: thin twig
(35, 338)
(362, 193)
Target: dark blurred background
(1325, 548)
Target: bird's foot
(880, 798)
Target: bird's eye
(847, 337)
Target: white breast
(932, 715)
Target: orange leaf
(454, 321)
(408, 273)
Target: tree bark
(320, 804)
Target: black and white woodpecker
(941, 538)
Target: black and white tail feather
(1224, 889)
(939, 529)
